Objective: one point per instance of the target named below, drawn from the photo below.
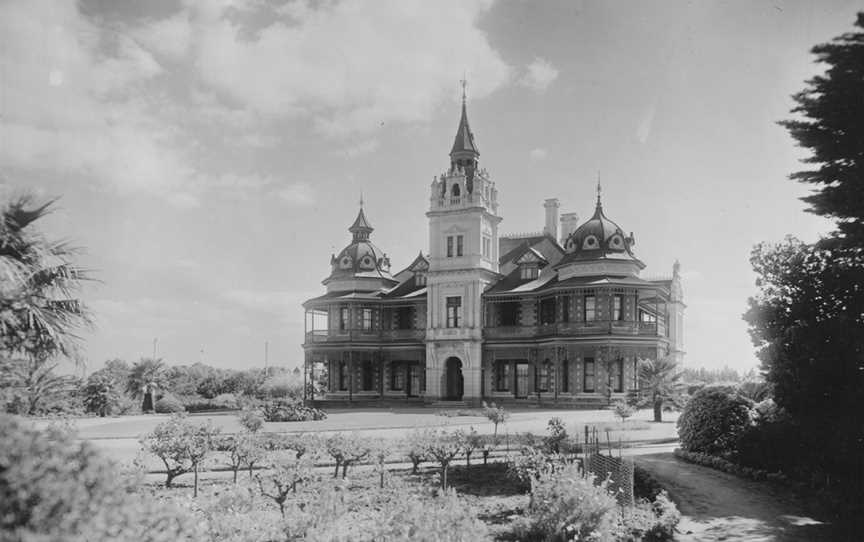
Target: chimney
(569, 223)
(551, 227)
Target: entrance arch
(453, 380)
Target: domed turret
(361, 266)
(599, 239)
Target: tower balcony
(464, 201)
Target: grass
(460, 412)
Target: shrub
(227, 401)
(101, 394)
(284, 386)
(445, 517)
(527, 466)
(567, 506)
(169, 404)
(290, 410)
(649, 521)
(645, 486)
(713, 420)
(55, 487)
(557, 435)
(251, 420)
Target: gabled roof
(531, 255)
(407, 288)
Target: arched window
(455, 192)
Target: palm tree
(39, 314)
(660, 384)
(146, 376)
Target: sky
(209, 156)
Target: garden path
(719, 506)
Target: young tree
(284, 477)
(417, 448)
(660, 384)
(146, 376)
(470, 441)
(495, 414)
(181, 445)
(444, 448)
(830, 123)
(622, 410)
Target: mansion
(557, 317)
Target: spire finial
(361, 199)
(464, 82)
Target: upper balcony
(603, 328)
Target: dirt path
(720, 506)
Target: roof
(407, 288)
(361, 224)
(464, 140)
(513, 284)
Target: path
(720, 506)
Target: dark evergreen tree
(831, 126)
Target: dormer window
(420, 279)
(367, 262)
(345, 262)
(529, 272)
(590, 243)
(617, 242)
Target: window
(645, 316)
(542, 374)
(547, 311)
(460, 245)
(530, 272)
(616, 375)
(449, 246)
(404, 318)
(454, 311)
(343, 318)
(367, 319)
(635, 374)
(420, 279)
(397, 376)
(508, 313)
(502, 375)
(617, 313)
(590, 308)
(367, 372)
(588, 375)
(487, 247)
(343, 375)
(565, 308)
(565, 376)
(455, 191)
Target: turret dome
(361, 265)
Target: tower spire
(464, 152)
(599, 190)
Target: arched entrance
(453, 380)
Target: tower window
(460, 245)
(454, 311)
(487, 247)
(455, 192)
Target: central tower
(463, 261)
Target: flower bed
(718, 463)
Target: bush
(290, 410)
(440, 518)
(284, 386)
(623, 410)
(567, 506)
(55, 487)
(713, 420)
(168, 404)
(227, 401)
(251, 420)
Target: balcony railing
(358, 335)
(599, 327)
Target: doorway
(453, 379)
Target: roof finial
(464, 82)
(599, 189)
(361, 198)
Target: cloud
(539, 75)
(538, 154)
(361, 148)
(298, 194)
(350, 66)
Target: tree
(146, 376)
(444, 448)
(807, 322)
(417, 448)
(284, 476)
(495, 414)
(101, 393)
(660, 384)
(831, 126)
(35, 383)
